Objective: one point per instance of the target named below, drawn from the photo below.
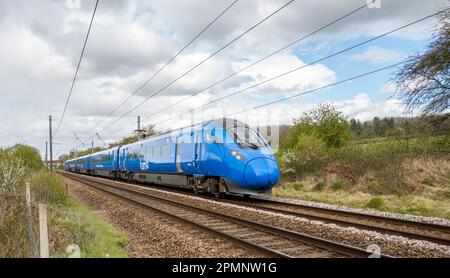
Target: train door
(178, 153)
(198, 149)
(123, 159)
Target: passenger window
(164, 150)
(148, 153)
(155, 151)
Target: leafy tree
(425, 79)
(356, 127)
(326, 123)
(29, 156)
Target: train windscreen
(246, 137)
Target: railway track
(432, 232)
(264, 239)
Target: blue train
(217, 156)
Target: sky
(41, 42)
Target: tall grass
(48, 188)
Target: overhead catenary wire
(264, 58)
(100, 138)
(301, 67)
(78, 68)
(199, 64)
(78, 139)
(147, 81)
(315, 89)
(321, 88)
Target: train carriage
(218, 156)
(104, 163)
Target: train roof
(222, 122)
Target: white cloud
(378, 55)
(130, 40)
(363, 108)
(388, 89)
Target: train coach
(217, 156)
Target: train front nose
(261, 173)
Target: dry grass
(425, 189)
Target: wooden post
(31, 238)
(51, 142)
(43, 232)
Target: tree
(326, 123)
(29, 156)
(356, 127)
(425, 79)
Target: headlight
(238, 155)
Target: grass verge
(74, 223)
(406, 204)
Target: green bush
(324, 122)
(383, 160)
(427, 181)
(48, 188)
(320, 186)
(337, 185)
(29, 156)
(440, 144)
(376, 203)
(306, 156)
(298, 186)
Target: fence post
(43, 232)
(31, 238)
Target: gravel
(389, 244)
(154, 234)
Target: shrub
(440, 144)
(337, 185)
(48, 188)
(306, 156)
(383, 160)
(427, 181)
(12, 174)
(320, 186)
(13, 229)
(298, 186)
(326, 123)
(376, 202)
